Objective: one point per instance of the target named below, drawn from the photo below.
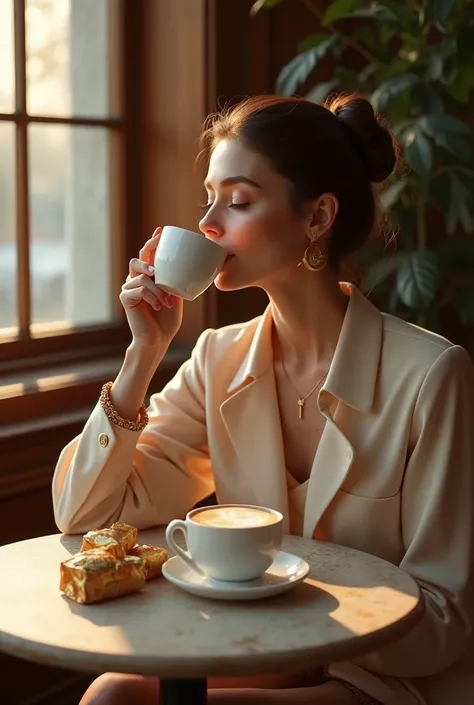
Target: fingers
(144, 262)
(138, 266)
(130, 298)
(148, 291)
(147, 253)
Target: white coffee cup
(231, 542)
(186, 263)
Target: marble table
(350, 603)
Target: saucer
(285, 572)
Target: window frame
(24, 346)
(159, 186)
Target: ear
(322, 213)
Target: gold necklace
(302, 400)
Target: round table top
(350, 603)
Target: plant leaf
(400, 13)
(379, 271)
(439, 10)
(418, 152)
(456, 145)
(298, 70)
(391, 88)
(338, 9)
(321, 90)
(458, 206)
(465, 176)
(417, 279)
(426, 99)
(312, 41)
(463, 83)
(402, 129)
(435, 124)
(267, 4)
(386, 34)
(442, 64)
(391, 194)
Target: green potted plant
(414, 63)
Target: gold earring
(315, 257)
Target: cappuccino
(235, 517)
(216, 549)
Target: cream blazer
(393, 474)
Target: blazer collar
(353, 373)
(259, 356)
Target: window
(61, 137)
(65, 134)
(100, 112)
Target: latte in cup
(234, 517)
(229, 542)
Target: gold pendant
(301, 408)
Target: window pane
(8, 282)
(67, 46)
(70, 225)
(7, 72)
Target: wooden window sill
(33, 399)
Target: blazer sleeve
(437, 522)
(145, 478)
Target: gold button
(104, 440)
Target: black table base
(192, 691)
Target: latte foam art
(234, 517)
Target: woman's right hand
(153, 315)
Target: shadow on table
(204, 621)
(302, 596)
(71, 542)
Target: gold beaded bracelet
(114, 417)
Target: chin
(226, 284)
(231, 282)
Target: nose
(210, 227)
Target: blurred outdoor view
(67, 73)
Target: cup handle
(171, 529)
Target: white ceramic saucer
(286, 571)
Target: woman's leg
(122, 689)
(331, 693)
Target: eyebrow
(232, 180)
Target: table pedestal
(183, 691)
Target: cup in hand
(186, 263)
(231, 542)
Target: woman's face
(250, 215)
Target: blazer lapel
(253, 424)
(251, 417)
(351, 382)
(332, 462)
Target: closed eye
(206, 206)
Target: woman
(356, 425)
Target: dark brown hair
(339, 147)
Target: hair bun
(373, 139)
